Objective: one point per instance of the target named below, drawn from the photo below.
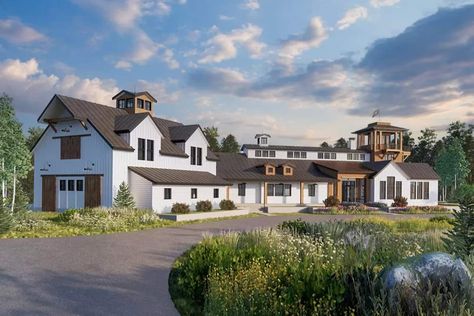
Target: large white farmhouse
(88, 149)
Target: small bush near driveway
(227, 205)
(180, 208)
(204, 206)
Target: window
(303, 154)
(362, 156)
(167, 193)
(272, 153)
(263, 140)
(194, 193)
(349, 156)
(383, 190)
(426, 190)
(150, 153)
(269, 170)
(355, 156)
(121, 104)
(270, 189)
(320, 156)
(71, 147)
(193, 155)
(312, 190)
(216, 193)
(140, 103)
(413, 190)
(287, 171)
(130, 103)
(241, 189)
(70, 185)
(419, 190)
(141, 149)
(62, 185)
(289, 154)
(258, 153)
(80, 185)
(326, 156)
(390, 188)
(333, 155)
(279, 189)
(398, 189)
(265, 153)
(199, 156)
(287, 190)
(148, 105)
(296, 154)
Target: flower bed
(193, 216)
(419, 210)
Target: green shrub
(124, 198)
(465, 194)
(442, 219)
(331, 201)
(227, 205)
(460, 239)
(204, 206)
(67, 215)
(180, 208)
(400, 201)
(6, 219)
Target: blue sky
(304, 71)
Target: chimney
(351, 144)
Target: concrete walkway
(116, 274)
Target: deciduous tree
(212, 136)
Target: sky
(304, 71)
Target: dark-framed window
(297, 154)
(70, 185)
(383, 190)
(150, 150)
(413, 190)
(216, 193)
(349, 156)
(62, 185)
(333, 155)
(362, 156)
(140, 103)
(167, 193)
(320, 155)
(263, 140)
(79, 185)
(303, 154)
(419, 190)
(289, 154)
(265, 153)
(141, 149)
(241, 189)
(390, 188)
(122, 104)
(199, 156)
(270, 189)
(258, 153)
(398, 189)
(130, 103)
(148, 105)
(194, 193)
(287, 190)
(193, 156)
(426, 190)
(279, 189)
(272, 153)
(327, 156)
(312, 189)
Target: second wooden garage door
(92, 191)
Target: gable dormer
(269, 169)
(263, 139)
(135, 102)
(287, 169)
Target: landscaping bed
(193, 216)
(308, 269)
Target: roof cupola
(135, 102)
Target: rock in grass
(422, 277)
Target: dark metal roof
(128, 122)
(345, 166)
(380, 126)
(376, 166)
(181, 133)
(421, 171)
(211, 155)
(303, 148)
(238, 167)
(135, 94)
(171, 176)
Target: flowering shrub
(299, 269)
(180, 208)
(204, 206)
(331, 201)
(420, 209)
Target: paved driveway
(117, 274)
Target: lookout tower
(135, 102)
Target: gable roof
(345, 166)
(421, 171)
(303, 148)
(135, 94)
(127, 123)
(376, 166)
(380, 126)
(181, 133)
(172, 176)
(238, 167)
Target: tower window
(140, 103)
(148, 105)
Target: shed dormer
(263, 139)
(135, 102)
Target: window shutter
(71, 147)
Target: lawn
(87, 222)
(301, 268)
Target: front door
(93, 191)
(70, 193)
(348, 191)
(48, 194)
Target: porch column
(339, 189)
(265, 194)
(227, 192)
(301, 193)
(330, 189)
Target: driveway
(116, 274)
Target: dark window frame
(141, 148)
(193, 155)
(216, 193)
(320, 155)
(62, 185)
(426, 190)
(167, 193)
(148, 105)
(272, 154)
(289, 154)
(270, 189)
(71, 185)
(327, 156)
(383, 190)
(413, 190)
(199, 156)
(79, 185)
(312, 189)
(241, 189)
(419, 190)
(150, 150)
(140, 103)
(194, 193)
(390, 188)
(258, 153)
(398, 188)
(333, 155)
(304, 155)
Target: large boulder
(411, 282)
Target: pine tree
(6, 219)
(124, 198)
(460, 239)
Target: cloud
(427, 68)
(225, 18)
(14, 31)
(251, 5)
(295, 45)
(159, 91)
(223, 46)
(31, 88)
(383, 3)
(351, 17)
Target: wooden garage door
(92, 191)
(48, 191)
